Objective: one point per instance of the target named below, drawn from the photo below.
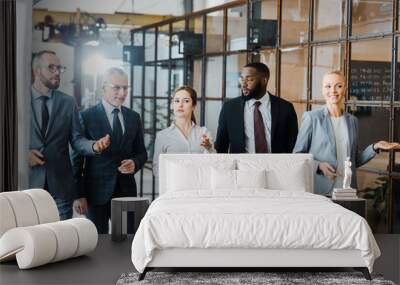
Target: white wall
(23, 61)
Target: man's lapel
(35, 123)
(274, 116)
(239, 109)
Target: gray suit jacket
(63, 128)
(316, 136)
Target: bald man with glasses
(110, 174)
(54, 126)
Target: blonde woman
(331, 135)
(184, 135)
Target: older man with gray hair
(111, 174)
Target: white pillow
(187, 175)
(223, 179)
(281, 174)
(237, 179)
(251, 178)
(183, 177)
(292, 179)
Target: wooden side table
(358, 205)
(138, 205)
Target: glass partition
(294, 21)
(215, 28)
(371, 16)
(237, 28)
(329, 19)
(294, 74)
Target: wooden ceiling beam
(135, 20)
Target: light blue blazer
(316, 136)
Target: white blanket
(253, 218)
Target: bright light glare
(95, 64)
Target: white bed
(203, 219)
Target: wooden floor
(110, 260)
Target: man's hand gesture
(103, 143)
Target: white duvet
(253, 218)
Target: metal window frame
(344, 41)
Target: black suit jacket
(230, 134)
(97, 176)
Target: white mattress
(252, 218)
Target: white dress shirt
(110, 116)
(265, 109)
(172, 140)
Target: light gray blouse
(171, 140)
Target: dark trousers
(64, 206)
(101, 214)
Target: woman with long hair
(184, 135)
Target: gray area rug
(242, 278)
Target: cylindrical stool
(138, 205)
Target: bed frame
(242, 259)
(246, 258)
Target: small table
(138, 205)
(357, 205)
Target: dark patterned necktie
(259, 130)
(45, 114)
(117, 129)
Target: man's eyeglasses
(117, 88)
(53, 68)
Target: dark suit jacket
(63, 128)
(230, 134)
(97, 176)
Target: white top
(342, 141)
(109, 108)
(265, 109)
(171, 140)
